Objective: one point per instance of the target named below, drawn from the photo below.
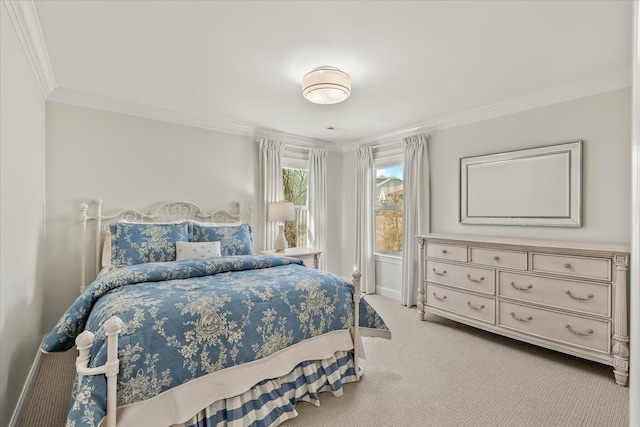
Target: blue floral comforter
(184, 319)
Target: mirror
(537, 187)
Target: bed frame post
(112, 329)
(84, 341)
(99, 219)
(83, 250)
(356, 322)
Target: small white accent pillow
(197, 250)
(106, 250)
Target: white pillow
(197, 250)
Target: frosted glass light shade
(281, 211)
(326, 85)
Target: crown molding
(120, 106)
(540, 99)
(581, 89)
(299, 141)
(25, 20)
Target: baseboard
(27, 389)
(389, 293)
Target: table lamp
(281, 211)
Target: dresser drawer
(469, 305)
(443, 251)
(462, 276)
(588, 268)
(500, 258)
(591, 298)
(559, 327)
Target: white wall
(601, 121)
(22, 200)
(389, 276)
(335, 182)
(131, 162)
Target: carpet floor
(432, 373)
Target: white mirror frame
(534, 187)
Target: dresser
(566, 296)
(310, 257)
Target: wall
(335, 182)
(22, 200)
(601, 121)
(131, 162)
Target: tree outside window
(295, 185)
(388, 209)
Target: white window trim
(386, 156)
(388, 258)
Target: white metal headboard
(165, 212)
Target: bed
(187, 325)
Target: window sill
(388, 258)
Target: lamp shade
(281, 211)
(326, 85)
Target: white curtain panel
(365, 233)
(415, 207)
(317, 201)
(270, 170)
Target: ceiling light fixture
(326, 85)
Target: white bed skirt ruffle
(271, 402)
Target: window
(294, 186)
(388, 209)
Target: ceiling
(240, 63)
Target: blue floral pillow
(234, 239)
(141, 243)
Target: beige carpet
(433, 373)
(49, 402)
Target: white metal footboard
(110, 369)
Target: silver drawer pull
(474, 307)
(444, 251)
(438, 298)
(475, 280)
(578, 298)
(567, 265)
(520, 319)
(496, 258)
(580, 334)
(437, 273)
(516, 287)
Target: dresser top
(532, 243)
